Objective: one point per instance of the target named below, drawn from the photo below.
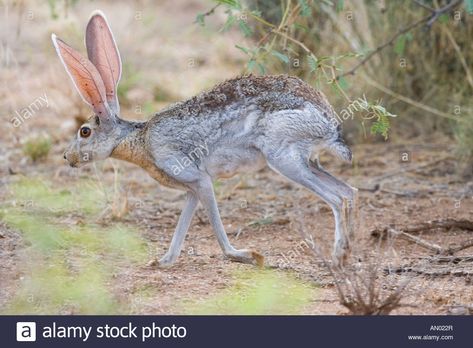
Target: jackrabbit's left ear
(103, 53)
(85, 77)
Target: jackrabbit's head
(96, 80)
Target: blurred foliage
(257, 292)
(425, 75)
(278, 49)
(53, 7)
(37, 148)
(38, 194)
(69, 266)
(130, 78)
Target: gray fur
(240, 125)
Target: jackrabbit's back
(268, 93)
(252, 102)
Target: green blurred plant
(130, 77)
(257, 293)
(69, 266)
(37, 148)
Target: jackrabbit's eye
(85, 132)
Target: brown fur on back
(269, 93)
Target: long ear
(103, 53)
(85, 77)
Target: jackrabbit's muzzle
(72, 158)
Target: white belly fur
(226, 162)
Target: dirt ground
(264, 212)
(261, 211)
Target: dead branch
(441, 223)
(447, 259)
(461, 310)
(405, 234)
(465, 245)
(424, 271)
(359, 289)
(419, 241)
(430, 225)
(208, 13)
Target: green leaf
(245, 29)
(282, 57)
(262, 69)
(445, 18)
(200, 19)
(229, 23)
(301, 27)
(349, 55)
(400, 45)
(244, 49)
(340, 5)
(469, 6)
(251, 64)
(381, 110)
(235, 4)
(52, 9)
(305, 8)
(342, 82)
(380, 126)
(313, 63)
(335, 88)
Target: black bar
(244, 331)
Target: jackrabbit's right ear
(85, 77)
(103, 53)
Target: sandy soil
(264, 212)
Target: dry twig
(406, 234)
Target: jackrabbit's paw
(167, 261)
(246, 256)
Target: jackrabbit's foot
(167, 260)
(246, 256)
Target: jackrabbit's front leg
(207, 198)
(181, 230)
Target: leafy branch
(277, 42)
(429, 19)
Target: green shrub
(37, 148)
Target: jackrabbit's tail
(340, 150)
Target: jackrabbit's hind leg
(297, 169)
(349, 193)
(206, 195)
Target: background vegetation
(412, 58)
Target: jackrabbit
(241, 124)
